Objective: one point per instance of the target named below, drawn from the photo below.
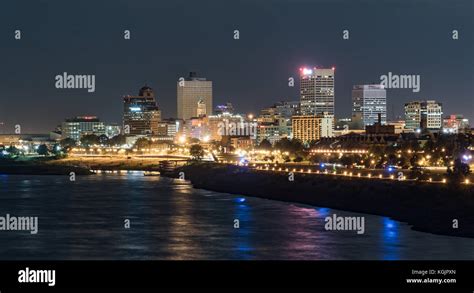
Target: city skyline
(303, 138)
(249, 79)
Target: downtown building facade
(316, 91)
(423, 115)
(317, 100)
(368, 102)
(309, 128)
(456, 123)
(224, 108)
(141, 113)
(274, 123)
(77, 127)
(226, 124)
(194, 97)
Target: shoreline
(425, 207)
(40, 168)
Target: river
(170, 220)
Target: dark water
(171, 220)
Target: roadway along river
(171, 220)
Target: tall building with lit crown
(316, 91)
(423, 115)
(190, 91)
(368, 101)
(313, 127)
(141, 113)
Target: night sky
(276, 38)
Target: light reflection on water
(171, 220)
(390, 239)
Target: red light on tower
(333, 68)
(306, 71)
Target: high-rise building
(423, 115)
(316, 91)
(189, 92)
(141, 113)
(368, 101)
(313, 127)
(79, 126)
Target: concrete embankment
(434, 208)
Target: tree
(142, 143)
(460, 170)
(89, 139)
(197, 152)
(13, 151)
(298, 159)
(194, 140)
(119, 139)
(347, 160)
(67, 143)
(292, 146)
(103, 139)
(56, 149)
(265, 145)
(42, 150)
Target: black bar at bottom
(242, 274)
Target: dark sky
(170, 38)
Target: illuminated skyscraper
(317, 91)
(190, 91)
(140, 113)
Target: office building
(368, 101)
(79, 126)
(316, 91)
(141, 113)
(423, 115)
(313, 127)
(192, 92)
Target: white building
(367, 102)
(423, 115)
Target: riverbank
(40, 167)
(427, 207)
